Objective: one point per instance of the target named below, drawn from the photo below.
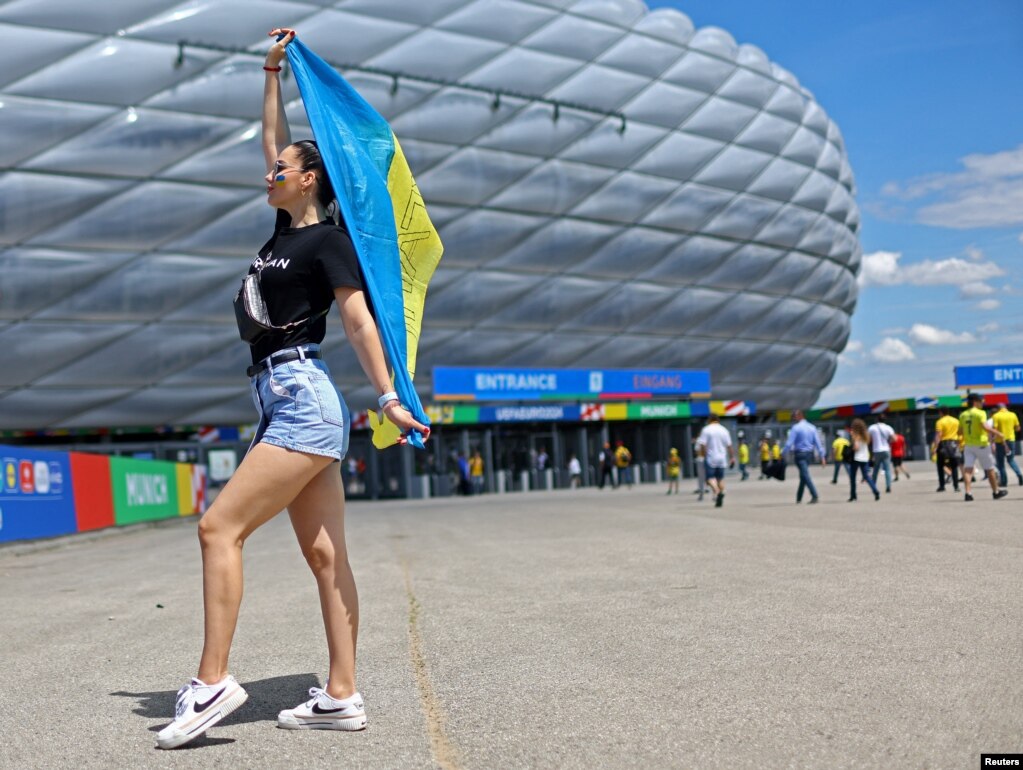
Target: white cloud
(975, 289)
(882, 268)
(925, 334)
(1021, 237)
(854, 346)
(974, 253)
(989, 328)
(988, 192)
(892, 350)
(988, 304)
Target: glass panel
(786, 274)
(743, 267)
(145, 216)
(31, 279)
(558, 349)
(600, 87)
(693, 258)
(484, 235)
(213, 305)
(533, 130)
(787, 103)
(815, 192)
(716, 41)
(564, 242)
(454, 116)
(665, 105)
(529, 72)
(472, 175)
(804, 147)
(553, 188)
(780, 180)
(32, 125)
(413, 13)
(137, 142)
(679, 156)
(620, 12)
(830, 161)
(41, 347)
(352, 38)
(552, 303)
(689, 208)
(733, 168)
(34, 203)
(749, 88)
(720, 119)
(640, 54)
(606, 145)
(100, 18)
(240, 232)
(788, 228)
(623, 308)
(236, 22)
(815, 118)
(767, 132)
(743, 217)
(144, 357)
(667, 24)
(477, 296)
(504, 20)
(635, 250)
(461, 54)
(153, 407)
(151, 286)
(37, 408)
(626, 199)
(97, 74)
(28, 49)
(571, 36)
(700, 72)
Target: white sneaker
(198, 708)
(322, 712)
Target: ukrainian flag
(397, 245)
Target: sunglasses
(281, 168)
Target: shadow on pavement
(267, 697)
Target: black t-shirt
(301, 267)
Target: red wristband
(272, 69)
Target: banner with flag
(396, 243)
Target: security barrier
(46, 494)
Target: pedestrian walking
(607, 465)
(765, 455)
(1007, 423)
(743, 458)
(674, 468)
(945, 448)
(715, 443)
(839, 447)
(575, 471)
(977, 437)
(307, 265)
(860, 440)
(898, 445)
(476, 475)
(804, 442)
(880, 435)
(623, 461)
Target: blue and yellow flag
(397, 245)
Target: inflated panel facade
(719, 229)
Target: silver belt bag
(252, 316)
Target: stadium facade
(621, 190)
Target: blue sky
(929, 97)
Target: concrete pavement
(569, 629)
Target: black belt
(280, 358)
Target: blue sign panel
(539, 413)
(456, 383)
(36, 498)
(1000, 376)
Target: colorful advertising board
(36, 499)
(144, 490)
(457, 383)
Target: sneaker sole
(217, 714)
(349, 724)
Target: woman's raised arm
(276, 134)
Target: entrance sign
(456, 383)
(996, 376)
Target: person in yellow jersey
(776, 450)
(839, 448)
(743, 457)
(765, 455)
(975, 433)
(476, 472)
(674, 467)
(945, 448)
(1006, 423)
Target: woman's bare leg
(268, 479)
(318, 517)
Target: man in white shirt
(880, 434)
(715, 446)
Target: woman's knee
(323, 557)
(214, 531)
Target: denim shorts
(300, 409)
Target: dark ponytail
(309, 156)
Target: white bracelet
(387, 398)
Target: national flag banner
(878, 407)
(591, 412)
(396, 243)
(359, 420)
(926, 402)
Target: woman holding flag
(308, 263)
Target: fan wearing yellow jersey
(1006, 423)
(976, 435)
